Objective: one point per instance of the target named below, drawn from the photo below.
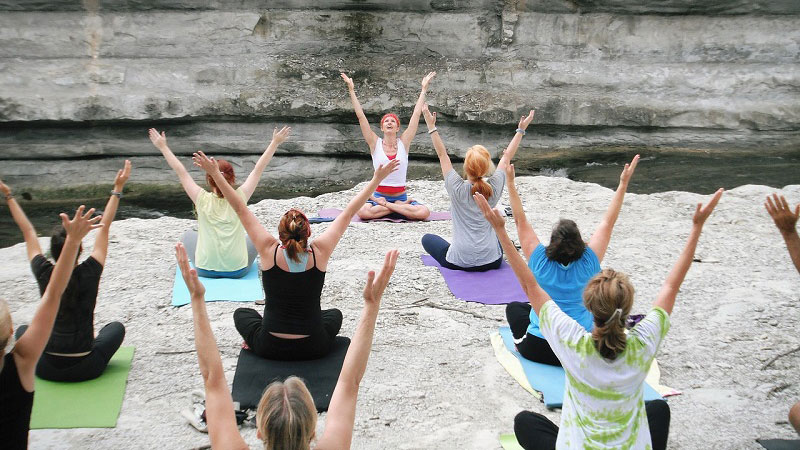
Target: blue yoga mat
(245, 289)
(549, 380)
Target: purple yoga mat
(435, 215)
(493, 287)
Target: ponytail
(293, 232)
(609, 297)
(478, 164)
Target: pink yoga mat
(435, 215)
(493, 287)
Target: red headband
(392, 115)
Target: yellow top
(220, 234)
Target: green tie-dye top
(603, 399)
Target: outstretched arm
(31, 345)
(220, 417)
(262, 239)
(511, 150)
(786, 221)
(602, 235)
(330, 237)
(438, 144)
(527, 237)
(25, 225)
(250, 184)
(537, 297)
(342, 412)
(100, 249)
(413, 123)
(366, 131)
(160, 142)
(669, 290)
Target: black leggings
(532, 347)
(249, 323)
(437, 248)
(81, 368)
(536, 432)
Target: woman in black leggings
(73, 353)
(294, 326)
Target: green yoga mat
(509, 442)
(87, 404)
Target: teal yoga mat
(549, 380)
(86, 404)
(245, 289)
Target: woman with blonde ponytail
(294, 326)
(604, 392)
(474, 247)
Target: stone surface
(87, 79)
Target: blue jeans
(391, 198)
(437, 248)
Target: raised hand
(524, 121)
(348, 81)
(210, 165)
(81, 223)
(122, 176)
(702, 212)
(4, 189)
(510, 174)
(279, 136)
(426, 81)
(430, 118)
(373, 291)
(627, 171)
(159, 140)
(383, 171)
(196, 288)
(493, 216)
(782, 214)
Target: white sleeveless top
(398, 177)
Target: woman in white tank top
(390, 197)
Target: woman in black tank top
(294, 326)
(18, 365)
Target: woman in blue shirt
(562, 268)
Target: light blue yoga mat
(549, 380)
(245, 289)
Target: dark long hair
(566, 244)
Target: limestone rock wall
(86, 79)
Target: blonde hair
(286, 417)
(293, 232)
(5, 324)
(607, 292)
(478, 164)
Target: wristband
(433, 130)
(521, 131)
(118, 194)
(9, 196)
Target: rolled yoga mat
(245, 289)
(254, 374)
(85, 404)
(332, 213)
(493, 287)
(544, 381)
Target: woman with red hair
(390, 197)
(220, 247)
(475, 247)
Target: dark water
(693, 171)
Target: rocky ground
(432, 379)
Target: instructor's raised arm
(366, 131)
(413, 123)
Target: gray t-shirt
(474, 241)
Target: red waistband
(390, 189)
